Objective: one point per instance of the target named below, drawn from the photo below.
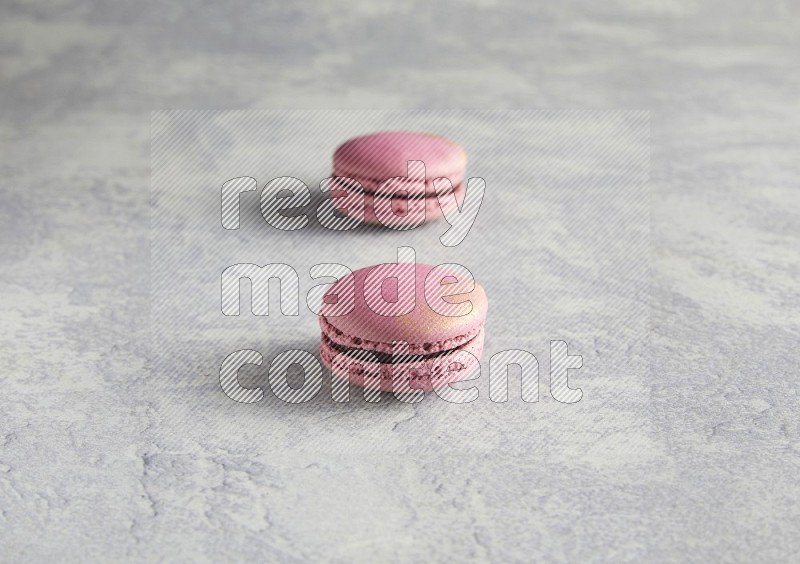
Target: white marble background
(703, 468)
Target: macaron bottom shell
(367, 369)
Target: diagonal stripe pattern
(498, 375)
(228, 376)
(279, 369)
(561, 362)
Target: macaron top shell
(372, 159)
(426, 330)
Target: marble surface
(103, 460)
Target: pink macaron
(377, 166)
(403, 326)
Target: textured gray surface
(703, 464)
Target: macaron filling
(350, 184)
(390, 358)
(390, 372)
(345, 341)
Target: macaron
(377, 167)
(406, 326)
